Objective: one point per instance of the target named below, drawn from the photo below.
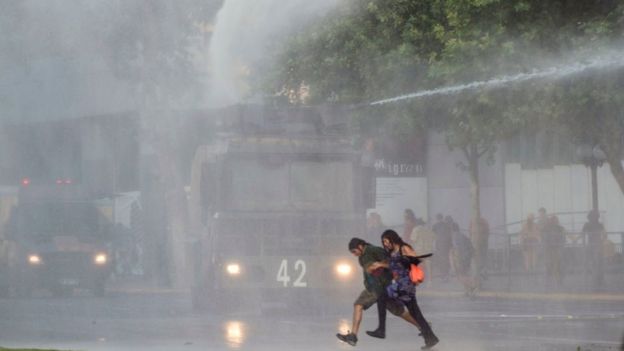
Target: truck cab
(274, 200)
(59, 242)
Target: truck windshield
(54, 219)
(321, 185)
(293, 185)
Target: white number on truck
(300, 266)
(284, 278)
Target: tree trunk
(175, 197)
(617, 170)
(475, 229)
(156, 118)
(613, 151)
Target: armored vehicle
(274, 200)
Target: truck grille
(294, 236)
(69, 263)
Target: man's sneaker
(349, 338)
(377, 333)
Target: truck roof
(47, 193)
(284, 145)
(296, 121)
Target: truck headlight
(233, 269)
(343, 270)
(34, 260)
(100, 259)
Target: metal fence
(505, 253)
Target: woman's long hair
(394, 238)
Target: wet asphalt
(142, 320)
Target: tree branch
(466, 152)
(483, 152)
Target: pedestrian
(123, 249)
(595, 233)
(480, 238)
(443, 244)
(374, 225)
(553, 237)
(402, 287)
(461, 257)
(423, 240)
(529, 240)
(376, 279)
(409, 222)
(542, 219)
(452, 224)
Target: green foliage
(368, 50)
(590, 108)
(149, 44)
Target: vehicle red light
(25, 181)
(59, 181)
(68, 181)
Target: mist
(243, 37)
(610, 60)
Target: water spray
(552, 72)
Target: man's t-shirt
(594, 232)
(444, 236)
(380, 278)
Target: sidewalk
(533, 287)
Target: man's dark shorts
(367, 299)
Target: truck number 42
(300, 268)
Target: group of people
(547, 234)
(387, 283)
(453, 250)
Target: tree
(147, 44)
(151, 46)
(368, 50)
(474, 124)
(590, 108)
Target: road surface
(165, 321)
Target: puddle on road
(235, 333)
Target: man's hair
(410, 214)
(355, 242)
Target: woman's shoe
(430, 342)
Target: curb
(529, 296)
(149, 290)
